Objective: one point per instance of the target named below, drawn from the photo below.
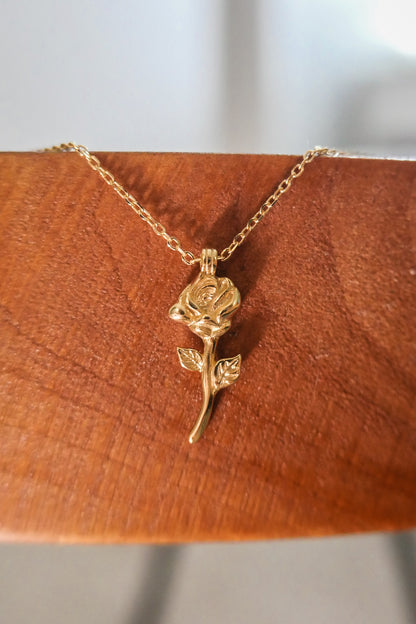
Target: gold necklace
(208, 303)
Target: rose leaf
(226, 372)
(191, 359)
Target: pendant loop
(209, 259)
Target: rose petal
(178, 313)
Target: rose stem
(208, 363)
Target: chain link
(171, 241)
(284, 186)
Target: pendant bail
(209, 259)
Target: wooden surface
(317, 437)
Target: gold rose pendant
(206, 306)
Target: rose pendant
(206, 306)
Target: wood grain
(317, 437)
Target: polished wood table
(317, 437)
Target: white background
(209, 75)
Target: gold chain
(172, 242)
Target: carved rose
(206, 305)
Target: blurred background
(224, 76)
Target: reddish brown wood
(319, 434)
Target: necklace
(208, 303)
